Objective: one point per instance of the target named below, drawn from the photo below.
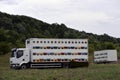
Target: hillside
(14, 29)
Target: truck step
(46, 65)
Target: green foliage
(108, 45)
(15, 29)
(4, 47)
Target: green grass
(93, 72)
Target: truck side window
(28, 42)
(19, 53)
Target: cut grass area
(93, 72)
(4, 60)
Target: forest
(15, 29)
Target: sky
(93, 16)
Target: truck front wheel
(24, 66)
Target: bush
(4, 47)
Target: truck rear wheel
(24, 66)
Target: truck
(105, 56)
(50, 53)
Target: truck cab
(19, 58)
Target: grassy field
(93, 72)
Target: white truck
(46, 53)
(105, 56)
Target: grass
(93, 72)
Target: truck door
(19, 56)
(22, 56)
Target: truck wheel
(24, 66)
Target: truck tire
(24, 66)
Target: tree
(104, 45)
(109, 45)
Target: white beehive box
(105, 56)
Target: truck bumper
(14, 66)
